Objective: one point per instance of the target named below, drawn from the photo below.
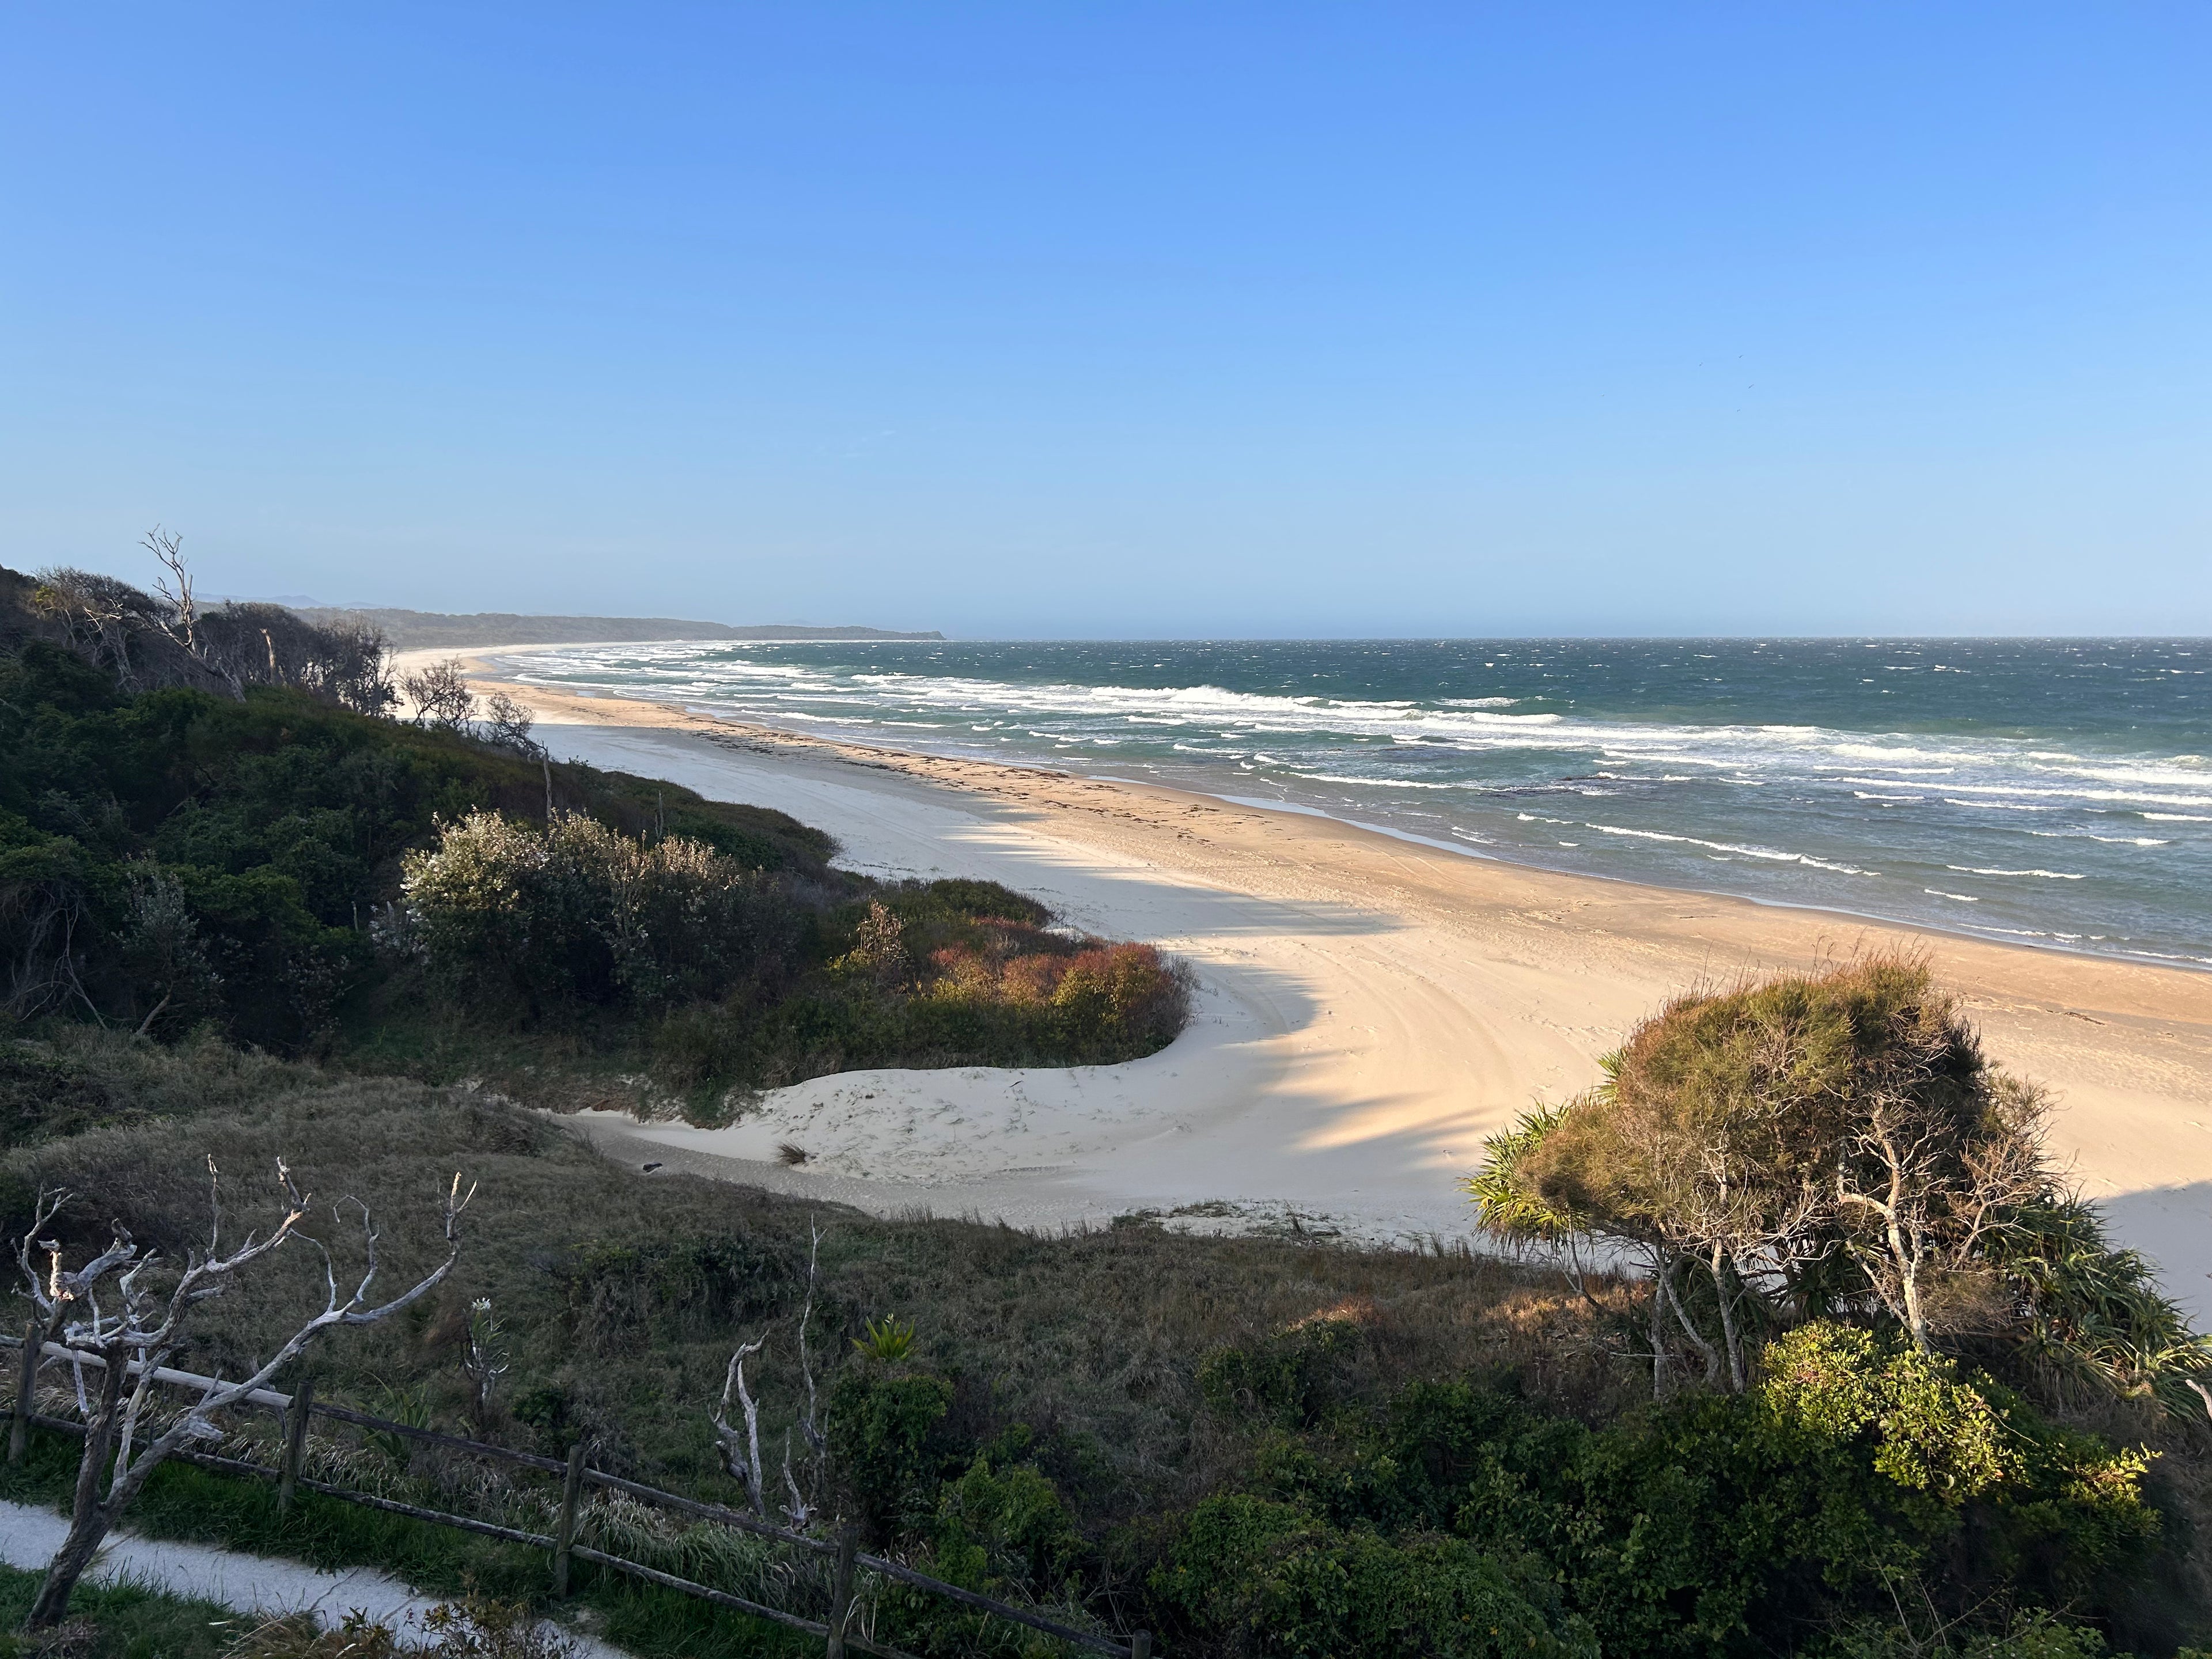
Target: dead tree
(175, 588)
(182, 623)
(140, 1336)
(741, 1452)
(741, 1447)
(803, 1506)
(38, 920)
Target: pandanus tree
(1803, 1145)
(149, 1304)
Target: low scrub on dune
(1016, 1411)
(751, 978)
(190, 850)
(503, 911)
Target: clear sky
(1048, 319)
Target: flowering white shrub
(576, 911)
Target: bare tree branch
(138, 1341)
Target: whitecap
(1379, 783)
(2110, 841)
(1774, 855)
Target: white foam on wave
(1821, 780)
(1773, 855)
(1477, 725)
(2110, 841)
(2042, 791)
(1378, 783)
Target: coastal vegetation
(197, 838)
(1251, 1446)
(1792, 1342)
(1836, 1146)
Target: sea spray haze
(2052, 793)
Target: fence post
(295, 1442)
(26, 1383)
(564, 1537)
(841, 1589)
(1140, 1644)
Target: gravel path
(250, 1583)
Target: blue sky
(1159, 320)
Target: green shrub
(1715, 1521)
(891, 1340)
(1269, 1580)
(1005, 1530)
(1930, 1431)
(1835, 1143)
(2031, 1636)
(883, 1434)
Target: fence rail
(576, 1474)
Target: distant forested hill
(415, 630)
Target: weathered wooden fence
(575, 1473)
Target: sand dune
(1370, 1008)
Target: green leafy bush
(1004, 1529)
(1712, 1524)
(1266, 1579)
(884, 1437)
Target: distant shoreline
(421, 631)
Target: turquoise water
(2050, 792)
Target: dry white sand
(1369, 1009)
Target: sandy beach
(1369, 1008)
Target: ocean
(2052, 793)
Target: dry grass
(622, 1296)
